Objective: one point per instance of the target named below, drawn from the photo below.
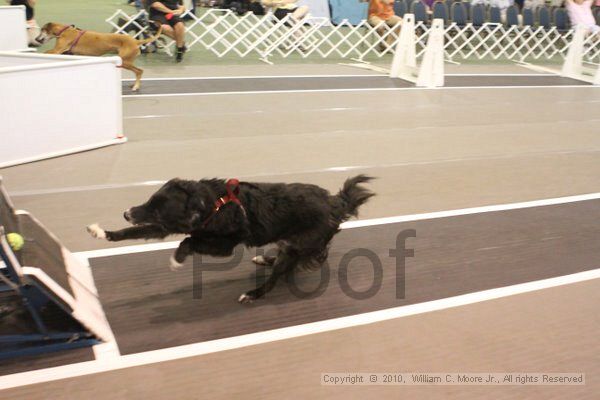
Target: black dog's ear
(195, 220)
(196, 201)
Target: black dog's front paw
(248, 297)
(99, 233)
(96, 231)
(178, 258)
(175, 265)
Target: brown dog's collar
(64, 29)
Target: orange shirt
(379, 9)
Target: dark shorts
(280, 13)
(28, 8)
(161, 18)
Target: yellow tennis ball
(15, 241)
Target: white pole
(405, 59)
(431, 72)
(572, 67)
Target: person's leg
(179, 29)
(280, 13)
(296, 15)
(156, 18)
(594, 35)
(503, 15)
(168, 31)
(374, 20)
(300, 12)
(393, 22)
(33, 31)
(377, 23)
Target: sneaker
(160, 43)
(179, 55)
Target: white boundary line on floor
(191, 78)
(354, 90)
(236, 342)
(366, 222)
(184, 78)
(499, 74)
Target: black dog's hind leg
(270, 256)
(219, 246)
(284, 263)
(264, 260)
(133, 232)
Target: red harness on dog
(75, 42)
(79, 35)
(233, 190)
(64, 29)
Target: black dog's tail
(350, 197)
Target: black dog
(218, 215)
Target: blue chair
(552, 8)
(440, 11)
(528, 19)
(478, 15)
(561, 20)
(512, 16)
(400, 8)
(448, 4)
(467, 5)
(544, 17)
(459, 14)
(420, 12)
(495, 16)
(353, 11)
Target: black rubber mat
(230, 85)
(510, 80)
(149, 307)
(224, 85)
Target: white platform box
(52, 105)
(13, 28)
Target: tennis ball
(15, 241)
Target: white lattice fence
(223, 32)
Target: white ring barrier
(13, 28)
(53, 105)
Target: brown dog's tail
(150, 39)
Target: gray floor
(549, 330)
(503, 146)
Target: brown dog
(71, 40)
